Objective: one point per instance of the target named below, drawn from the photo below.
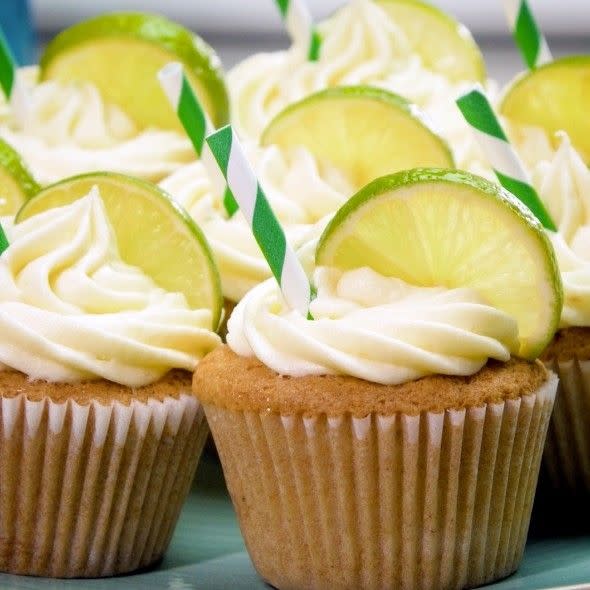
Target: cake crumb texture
(14, 383)
(240, 383)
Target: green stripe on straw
(299, 24)
(195, 121)
(527, 33)
(3, 240)
(266, 228)
(7, 67)
(478, 112)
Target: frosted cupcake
(376, 43)
(91, 107)
(563, 181)
(395, 439)
(100, 433)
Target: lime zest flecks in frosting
(563, 182)
(302, 195)
(71, 130)
(71, 310)
(372, 327)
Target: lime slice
(365, 132)
(555, 97)
(121, 53)
(454, 53)
(449, 228)
(16, 182)
(153, 233)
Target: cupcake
(395, 439)
(563, 181)
(379, 43)
(91, 108)
(100, 433)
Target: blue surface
(208, 553)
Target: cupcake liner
(434, 501)
(93, 490)
(567, 455)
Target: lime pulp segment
(152, 232)
(16, 182)
(448, 228)
(454, 53)
(554, 97)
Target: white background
(557, 17)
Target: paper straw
(3, 240)
(527, 34)
(507, 166)
(196, 123)
(300, 27)
(13, 88)
(267, 230)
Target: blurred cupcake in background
(546, 111)
(92, 108)
(381, 43)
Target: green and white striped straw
(507, 166)
(266, 228)
(300, 26)
(3, 240)
(196, 123)
(13, 89)
(527, 34)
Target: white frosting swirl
(361, 45)
(372, 327)
(69, 129)
(71, 310)
(302, 196)
(563, 182)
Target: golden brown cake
(567, 455)
(345, 483)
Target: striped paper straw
(300, 27)
(267, 230)
(3, 240)
(196, 123)
(507, 166)
(527, 34)
(12, 87)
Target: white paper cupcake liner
(93, 490)
(435, 501)
(567, 455)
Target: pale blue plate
(208, 553)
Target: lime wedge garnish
(452, 229)
(363, 131)
(121, 53)
(445, 45)
(16, 182)
(153, 233)
(554, 97)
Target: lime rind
(346, 217)
(13, 163)
(70, 189)
(200, 60)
